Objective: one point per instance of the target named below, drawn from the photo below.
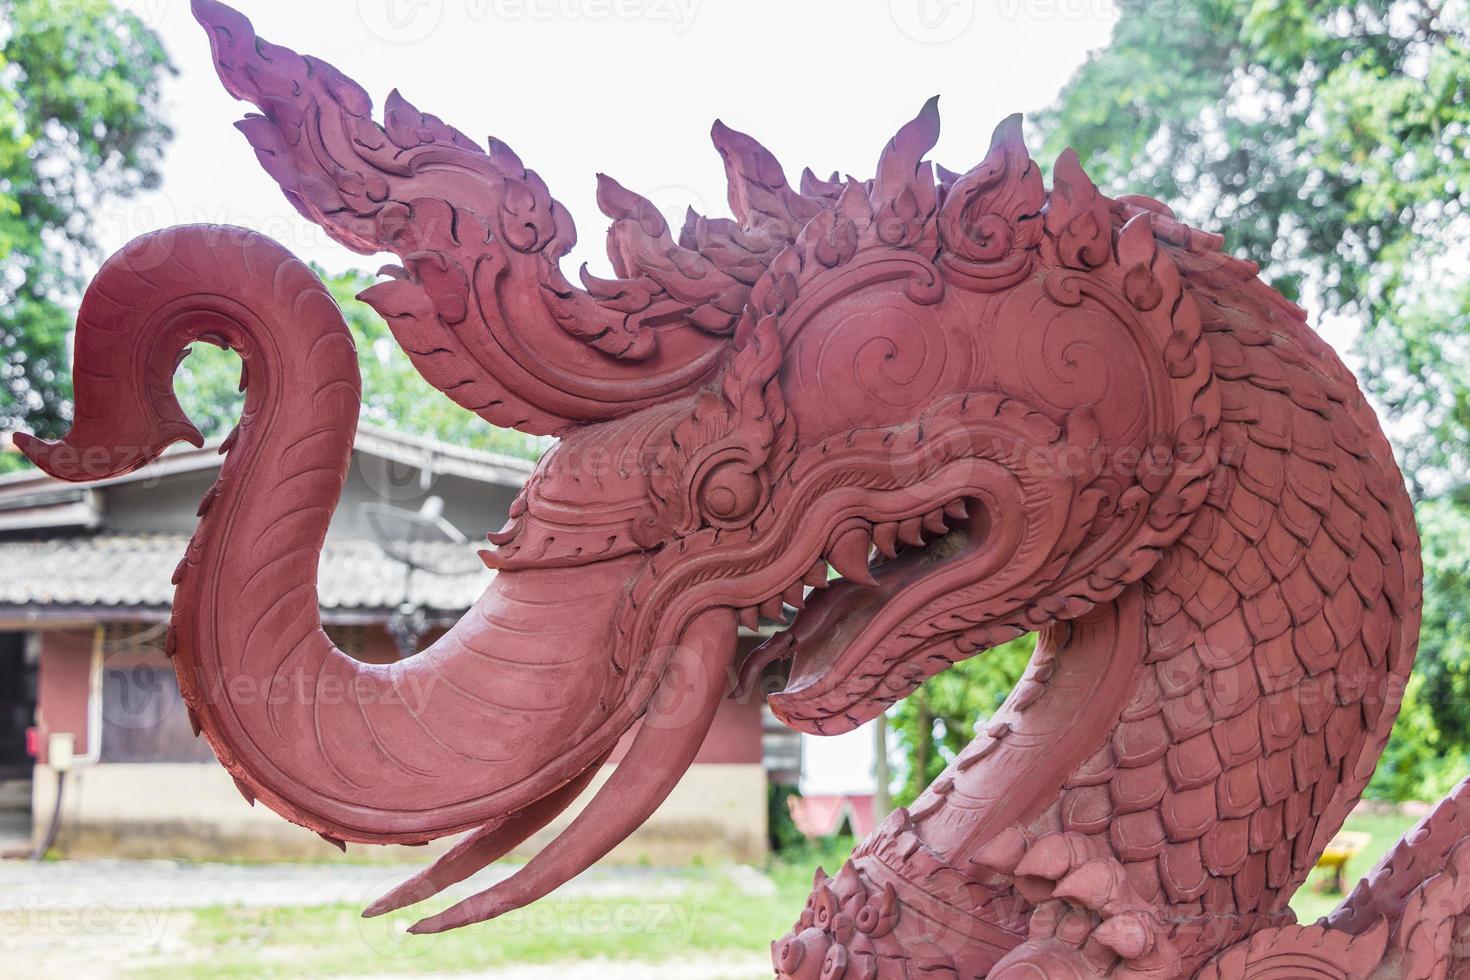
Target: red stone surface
(1036, 409)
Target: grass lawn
(711, 919)
(335, 940)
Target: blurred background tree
(79, 126)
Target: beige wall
(717, 812)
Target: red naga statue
(1036, 410)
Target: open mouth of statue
(865, 638)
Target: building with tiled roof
(85, 593)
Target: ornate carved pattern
(991, 407)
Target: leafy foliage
(934, 723)
(80, 126)
(782, 834)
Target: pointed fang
(849, 555)
(911, 532)
(774, 610)
(885, 539)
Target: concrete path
(68, 885)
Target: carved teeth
(911, 531)
(750, 618)
(885, 539)
(795, 596)
(849, 555)
(816, 576)
(957, 510)
(934, 523)
(773, 609)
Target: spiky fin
(991, 216)
(1078, 216)
(904, 195)
(759, 195)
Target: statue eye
(730, 494)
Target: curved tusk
(478, 849)
(664, 748)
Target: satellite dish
(417, 539)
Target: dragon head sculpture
(991, 407)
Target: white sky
(628, 87)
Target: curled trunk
(518, 699)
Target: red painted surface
(64, 688)
(823, 816)
(1042, 408)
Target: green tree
(394, 395)
(80, 125)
